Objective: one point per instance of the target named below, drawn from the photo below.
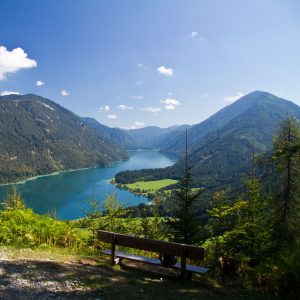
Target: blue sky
(138, 63)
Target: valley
(47, 138)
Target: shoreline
(23, 181)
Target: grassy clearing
(149, 186)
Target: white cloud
(138, 124)
(65, 93)
(140, 97)
(196, 36)
(13, 61)
(105, 108)
(40, 83)
(135, 125)
(170, 104)
(125, 107)
(233, 98)
(6, 93)
(140, 83)
(165, 71)
(112, 117)
(150, 109)
(142, 66)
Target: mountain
(145, 137)
(221, 147)
(261, 100)
(117, 135)
(152, 137)
(39, 136)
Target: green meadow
(149, 186)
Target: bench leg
(183, 267)
(113, 250)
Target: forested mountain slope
(38, 136)
(117, 135)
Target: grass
(149, 186)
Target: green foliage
(113, 212)
(13, 200)
(261, 231)
(279, 276)
(22, 227)
(286, 204)
(91, 216)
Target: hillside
(117, 135)
(38, 137)
(221, 147)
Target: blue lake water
(67, 192)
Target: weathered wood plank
(194, 269)
(139, 258)
(152, 245)
(155, 261)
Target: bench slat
(193, 269)
(148, 260)
(170, 248)
(155, 261)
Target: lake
(67, 192)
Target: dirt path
(70, 277)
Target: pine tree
(286, 199)
(184, 226)
(13, 200)
(113, 212)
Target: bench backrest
(135, 242)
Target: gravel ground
(23, 279)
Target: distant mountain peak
(256, 96)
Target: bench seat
(139, 258)
(155, 261)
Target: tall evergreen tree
(184, 226)
(286, 199)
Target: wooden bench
(180, 250)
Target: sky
(134, 63)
